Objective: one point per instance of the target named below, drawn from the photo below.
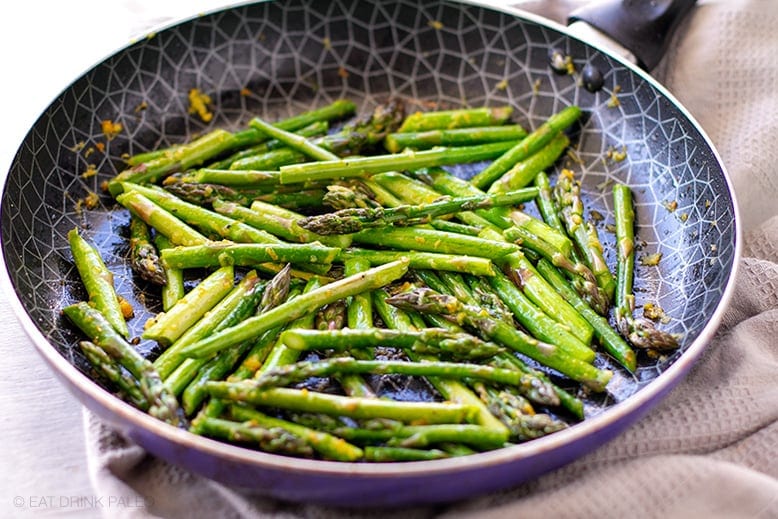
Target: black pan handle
(643, 27)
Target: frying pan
(275, 59)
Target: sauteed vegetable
(333, 258)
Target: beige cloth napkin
(711, 448)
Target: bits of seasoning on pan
(651, 260)
(614, 102)
(671, 206)
(616, 155)
(592, 78)
(573, 156)
(91, 171)
(110, 128)
(198, 104)
(141, 107)
(655, 312)
(90, 201)
(435, 24)
(560, 62)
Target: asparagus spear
(328, 446)
(430, 240)
(207, 221)
(175, 230)
(453, 390)
(294, 141)
(286, 375)
(185, 156)
(523, 173)
(539, 324)
(458, 118)
(517, 414)
(486, 298)
(269, 160)
(144, 258)
(429, 341)
(166, 327)
(265, 180)
(429, 301)
(282, 226)
(146, 156)
(178, 158)
(501, 217)
(205, 370)
(607, 336)
(461, 228)
(331, 317)
(640, 332)
(526, 277)
(113, 372)
(279, 353)
(534, 320)
(568, 197)
(354, 195)
(382, 197)
(407, 190)
(519, 268)
(545, 393)
(307, 199)
(352, 407)
(366, 166)
(98, 281)
(528, 146)
(353, 220)
(204, 193)
(173, 289)
(423, 260)
(585, 279)
(396, 142)
(359, 314)
(590, 292)
(214, 254)
(306, 303)
(178, 371)
(315, 129)
(100, 332)
(353, 138)
(394, 454)
(397, 434)
(274, 439)
(276, 292)
(224, 310)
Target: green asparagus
(98, 281)
(640, 332)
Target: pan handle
(643, 27)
